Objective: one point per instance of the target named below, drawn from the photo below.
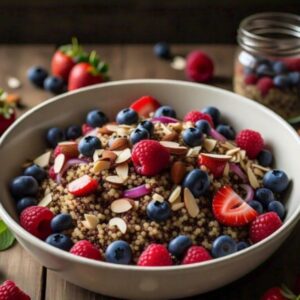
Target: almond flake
(170, 137)
(209, 144)
(124, 156)
(43, 160)
(121, 205)
(91, 221)
(97, 154)
(119, 223)
(176, 126)
(233, 151)
(59, 163)
(174, 148)
(177, 206)
(190, 203)
(252, 178)
(115, 180)
(194, 152)
(122, 170)
(258, 172)
(100, 166)
(109, 155)
(226, 170)
(243, 154)
(165, 129)
(46, 200)
(112, 127)
(136, 204)
(175, 194)
(260, 167)
(119, 144)
(158, 197)
(217, 156)
(227, 145)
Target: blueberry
(264, 196)
(139, 134)
(197, 181)
(227, 131)
(214, 113)
(54, 136)
(165, 111)
(264, 70)
(223, 245)
(279, 67)
(118, 252)
(265, 158)
(241, 246)
(60, 241)
(281, 81)
(294, 78)
(257, 206)
(37, 75)
(148, 125)
(55, 85)
(162, 50)
(278, 208)
(248, 70)
(88, 145)
(24, 186)
(276, 180)
(96, 118)
(203, 126)
(37, 172)
(127, 116)
(24, 203)
(192, 137)
(61, 222)
(158, 211)
(179, 245)
(73, 132)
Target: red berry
(251, 141)
(145, 105)
(263, 226)
(9, 291)
(86, 249)
(250, 79)
(83, 186)
(5, 123)
(155, 255)
(273, 293)
(264, 84)
(86, 128)
(196, 254)
(36, 220)
(149, 157)
(51, 173)
(194, 116)
(199, 67)
(293, 64)
(215, 163)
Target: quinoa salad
(150, 189)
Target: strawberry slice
(145, 105)
(230, 209)
(214, 162)
(83, 186)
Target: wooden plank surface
(128, 62)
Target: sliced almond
(258, 172)
(46, 200)
(227, 145)
(265, 169)
(174, 148)
(97, 154)
(124, 156)
(119, 223)
(91, 221)
(233, 151)
(190, 203)
(176, 126)
(59, 163)
(112, 127)
(226, 170)
(175, 194)
(158, 197)
(216, 156)
(243, 154)
(121, 205)
(209, 144)
(194, 152)
(165, 129)
(122, 170)
(110, 155)
(104, 130)
(100, 166)
(178, 171)
(177, 206)
(252, 178)
(70, 149)
(119, 144)
(173, 136)
(43, 160)
(115, 180)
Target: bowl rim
(11, 223)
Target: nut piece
(252, 178)
(119, 144)
(70, 149)
(194, 152)
(177, 206)
(111, 127)
(209, 144)
(100, 166)
(119, 223)
(173, 136)
(46, 200)
(121, 205)
(190, 203)
(115, 180)
(90, 222)
(43, 160)
(175, 194)
(233, 151)
(124, 156)
(158, 197)
(59, 163)
(174, 148)
(178, 171)
(122, 170)
(109, 155)
(97, 154)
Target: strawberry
(145, 105)
(7, 112)
(230, 209)
(9, 291)
(155, 255)
(83, 186)
(194, 116)
(196, 254)
(263, 226)
(214, 162)
(273, 293)
(264, 84)
(69, 149)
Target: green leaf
(294, 120)
(2, 226)
(6, 237)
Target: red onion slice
(137, 192)
(217, 136)
(250, 192)
(238, 171)
(165, 120)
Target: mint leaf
(2, 226)
(6, 237)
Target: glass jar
(267, 64)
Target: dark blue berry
(257, 206)
(278, 208)
(203, 126)
(60, 241)
(265, 158)
(118, 252)
(276, 180)
(24, 203)
(264, 70)
(248, 70)
(223, 245)
(264, 196)
(165, 111)
(61, 222)
(197, 181)
(96, 118)
(179, 245)
(227, 131)
(162, 50)
(158, 211)
(241, 246)
(73, 132)
(294, 78)
(37, 75)
(55, 85)
(279, 67)
(192, 136)
(24, 186)
(127, 116)
(214, 113)
(37, 172)
(54, 136)
(88, 145)
(281, 81)
(139, 134)
(148, 125)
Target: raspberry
(86, 249)
(250, 79)
(36, 220)
(199, 67)
(263, 226)
(155, 255)
(264, 84)
(149, 157)
(273, 293)
(9, 291)
(251, 141)
(194, 116)
(196, 254)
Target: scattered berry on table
(158, 211)
(96, 118)
(61, 222)
(273, 293)
(264, 196)
(155, 255)
(37, 75)
(194, 116)
(127, 116)
(192, 137)
(73, 132)
(165, 111)
(86, 249)
(264, 85)
(162, 50)
(223, 245)
(24, 186)
(139, 134)
(88, 145)
(203, 126)
(118, 252)
(24, 203)
(214, 113)
(9, 291)
(145, 105)
(55, 85)
(196, 254)
(60, 241)
(278, 208)
(241, 246)
(54, 136)
(148, 125)
(281, 81)
(227, 131)
(276, 180)
(36, 172)
(256, 205)
(83, 186)
(265, 158)
(179, 245)
(263, 226)
(197, 181)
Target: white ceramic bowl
(25, 139)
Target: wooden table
(128, 62)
